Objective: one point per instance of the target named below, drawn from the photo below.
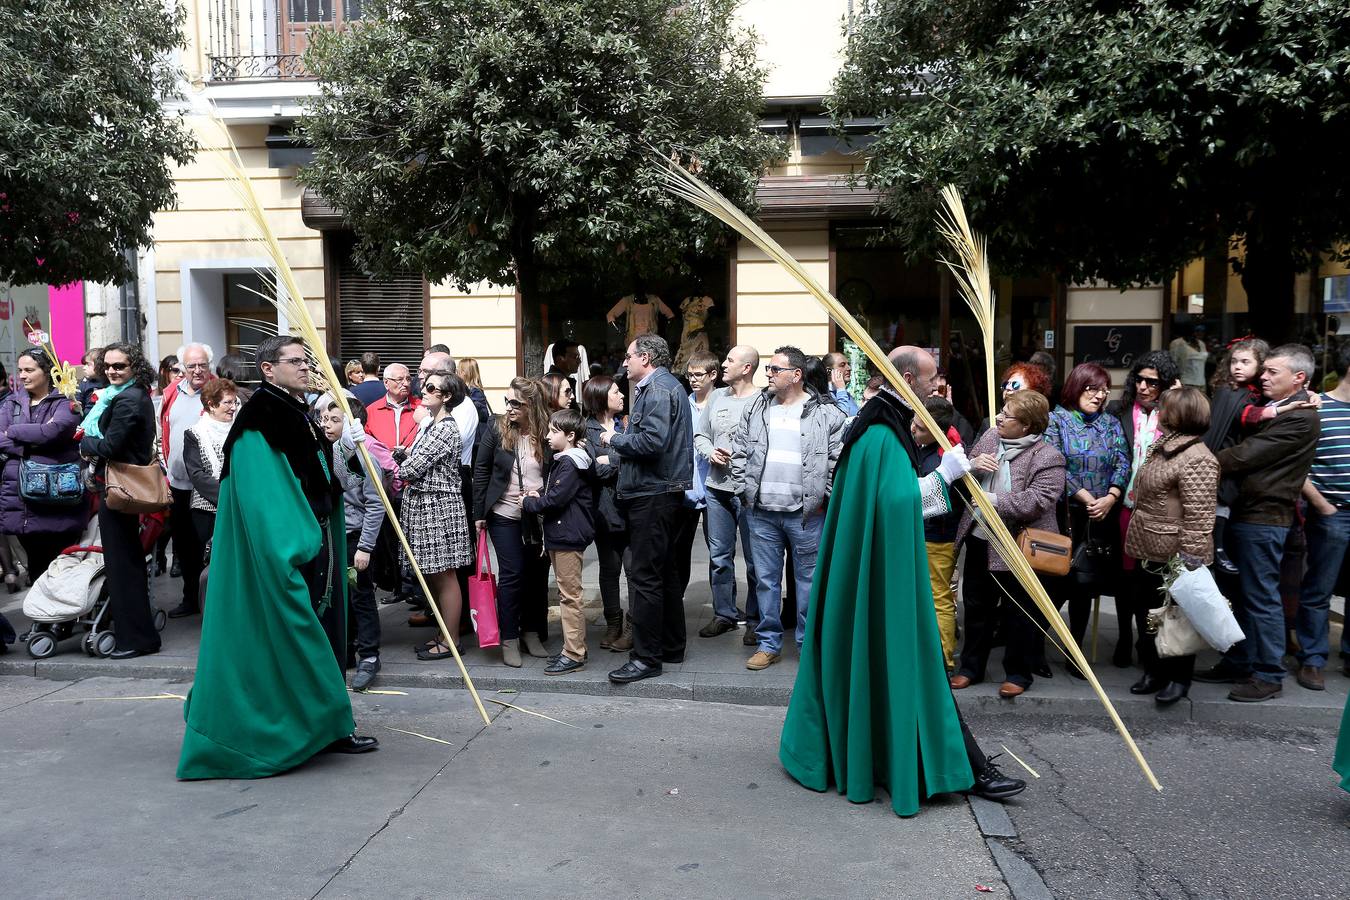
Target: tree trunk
(531, 321)
(1268, 278)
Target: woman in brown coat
(1175, 493)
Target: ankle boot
(511, 653)
(1174, 691)
(534, 646)
(624, 642)
(613, 629)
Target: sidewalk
(713, 669)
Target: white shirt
(466, 417)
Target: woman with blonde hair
(467, 369)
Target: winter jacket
(1272, 465)
(480, 401)
(566, 502)
(655, 448)
(604, 478)
(46, 434)
(380, 423)
(1226, 409)
(360, 501)
(822, 430)
(1037, 475)
(494, 467)
(936, 529)
(1174, 501)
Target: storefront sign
(32, 314)
(1111, 346)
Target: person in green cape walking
(1341, 764)
(871, 706)
(269, 691)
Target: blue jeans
(772, 533)
(1328, 537)
(1257, 551)
(725, 518)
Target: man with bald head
(714, 433)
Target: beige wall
(479, 323)
(772, 309)
(801, 43)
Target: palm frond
(690, 188)
(974, 281)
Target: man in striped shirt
(1327, 491)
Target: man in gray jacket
(784, 454)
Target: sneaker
(992, 784)
(561, 665)
(716, 627)
(624, 642)
(762, 660)
(1219, 674)
(1311, 678)
(1254, 690)
(366, 670)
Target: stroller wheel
(105, 643)
(161, 619)
(87, 643)
(41, 644)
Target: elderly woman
(1173, 517)
(1023, 477)
(1097, 469)
(204, 452)
(1137, 410)
(37, 426)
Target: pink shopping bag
(483, 597)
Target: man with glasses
(390, 418)
(657, 469)
(781, 461)
(180, 409)
(701, 373)
(269, 691)
(713, 439)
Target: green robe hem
(1341, 763)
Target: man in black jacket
(1271, 466)
(657, 469)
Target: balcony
(265, 40)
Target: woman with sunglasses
(513, 459)
(1097, 471)
(121, 428)
(1137, 410)
(558, 388)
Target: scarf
(1145, 431)
(105, 397)
(1001, 480)
(1087, 419)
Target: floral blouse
(1093, 451)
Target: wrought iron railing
(244, 68)
(266, 39)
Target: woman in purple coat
(38, 423)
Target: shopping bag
(483, 597)
(1196, 593)
(1174, 634)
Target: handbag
(131, 488)
(1048, 552)
(1094, 561)
(483, 597)
(1174, 635)
(531, 524)
(53, 484)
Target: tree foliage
(84, 140)
(507, 140)
(1114, 140)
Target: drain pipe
(130, 310)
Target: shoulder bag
(531, 524)
(1048, 552)
(50, 484)
(136, 489)
(1094, 561)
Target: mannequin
(641, 314)
(693, 339)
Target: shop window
(249, 313)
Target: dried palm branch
(290, 304)
(973, 280)
(690, 188)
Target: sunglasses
(514, 404)
(774, 370)
(174, 370)
(432, 389)
(118, 367)
(1011, 386)
(1155, 383)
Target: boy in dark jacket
(939, 532)
(568, 529)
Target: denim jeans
(1257, 551)
(522, 580)
(725, 519)
(771, 534)
(1327, 537)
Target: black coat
(493, 468)
(565, 506)
(605, 477)
(128, 426)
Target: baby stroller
(72, 594)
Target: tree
(85, 143)
(1116, 140)
(509, 140)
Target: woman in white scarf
(204, 451)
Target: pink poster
(67, 321)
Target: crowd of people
(1251, 478)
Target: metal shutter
(386, 317)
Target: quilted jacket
(1175, 494)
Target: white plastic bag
(1198, 596)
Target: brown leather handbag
(1049, 552)
(136, 489)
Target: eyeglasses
(402, 380)
(694, 373)
(1155, 383)
(117, 367)
(299, 362)
(628, 356)
(514, 404)
(195, 366)
(424, 374)
(1095, 391)
(774, 370)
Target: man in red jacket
(178, 411)
(390, 418)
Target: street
(640, 798)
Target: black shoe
(182, 611)
(1224, 564)
(1174, 691)
(715, 627)
(634, 670)
(561, 665)
(160, 565)
(750, 639)
(366, 671)
(1043, 671)
(1219, 674)
(352, 744)
(176, 570)
(391, 599)
(1074, 672)
(1149, 684)
(992, 784)
(130, 654)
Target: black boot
(1174, 691)
(1149, 684)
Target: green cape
(872, 706)
(1342, 761)
(269, 693)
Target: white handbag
(1174, 633)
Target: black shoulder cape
(889, 410)
(284, 423)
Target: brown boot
(613, 631)
(1311, 678)
(1254, 690)
(624, 642)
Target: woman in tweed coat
(1024, 479)
(432, 514)
(1175, 493)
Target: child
(568, 529)
(939, 532)
(364, 514)
(1236, 406)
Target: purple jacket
(1037, 475)
(44, 433)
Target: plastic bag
(1198, 596)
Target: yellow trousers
(941, 568)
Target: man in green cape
(1341, 764)
(871, 705)
(269, 692)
